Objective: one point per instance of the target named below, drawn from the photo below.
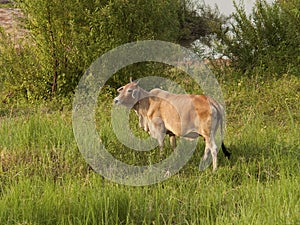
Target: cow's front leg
(173, 141)
(143, 122)
(158, 131)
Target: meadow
(44, 179)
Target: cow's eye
(129, 91)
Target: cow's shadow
(244, 160)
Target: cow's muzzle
(116, 101)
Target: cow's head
(128, 95)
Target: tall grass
(45, 180)
(205, 199)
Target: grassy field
(45, 180)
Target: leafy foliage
(267, 39)
(198, 22)
(65, 37)
(19, 69)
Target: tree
(198, 21)
(267, 39)
(67, 36)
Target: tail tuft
(225, 151)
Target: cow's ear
(136, 82)
(135, 93)
(120, 89)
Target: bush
(20, 76)
(267, 39)
(65, 37)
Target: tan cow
(184, 115)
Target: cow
(182, 115)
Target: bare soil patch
(10, 22)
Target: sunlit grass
(45, 180)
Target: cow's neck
(143, 104)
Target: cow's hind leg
(214, 153)
(210, 154)
(206, 159)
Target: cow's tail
(221, 118)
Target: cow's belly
(191, 135)
(189, 130)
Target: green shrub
(267, 39)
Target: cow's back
(183, 114)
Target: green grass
(205, 199)
(7, 5)
(45, 180)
